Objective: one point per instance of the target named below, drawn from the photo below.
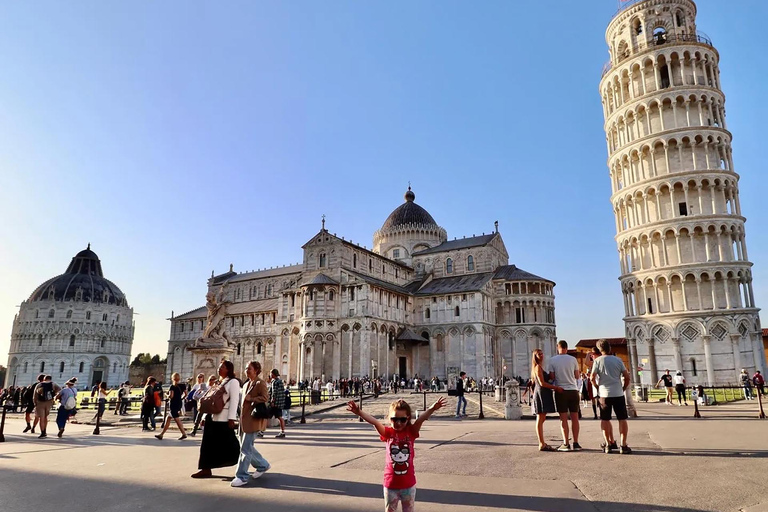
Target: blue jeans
(249, 456)
(61, 417)
(458, 406)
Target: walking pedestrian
(67, 403)
(679, 381)
(43, 397)
(607, 374)
(460, 383)
(176, 403)
(28, 397)
(199, 393)
(148, 405)
(220, 447)
(759, 382)
(543, 399)
(254, 392)
(564, 369)
(191, 396)
(103, 394)
(667, 380)
(277, 400)
(746, 382)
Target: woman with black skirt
(220, 447)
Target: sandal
(546, 448)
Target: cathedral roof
(409, 213)
(512, 273)
(464, 243)
(456, 284)
(409, 335)
(320, 279)
(83, 280)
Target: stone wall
(139, 374)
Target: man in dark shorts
(564, 370)
(607, 374)
(28, 399)
(667, 380)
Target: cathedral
(416, 304)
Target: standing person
(747, 383)
(158, 398)
(103, 394)
(277, 400)
(399, 473)
(543, 399)
(565, 371)
(220, 447)
(29, 404)
(757, 378)
(607, 373)
(68, 401)
(461, 413)
(125, 400)
(176, 403)
(192, 395)
(148, 405)
(679, 381)
(254, 392)
(43, 397)
(199, 393)
(667, 380)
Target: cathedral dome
(408, 213)
(82, 281)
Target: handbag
(260, 411)
(213, 401)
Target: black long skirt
(220, 447)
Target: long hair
(230, 368)
(536, 359)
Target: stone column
(652, 360)
(758, 352)
(735, 339)
(633, 361)
(312, 357)
(302, 357)
(365, 351)
(708, 360)
(678, 356)
(337, 355)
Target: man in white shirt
(564, 369)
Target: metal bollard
(303, 405)
(97, 430)
(481, 415)
(2, 424)
(361, 406)
(696, 413)
(758, 393)
(425, 401)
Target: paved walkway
(333, 463)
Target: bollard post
(758, 393)
(425, 401)
(303, 405)
(361, 405)
(696, 413)
(481, 416)
(2, 424)
(97, 430)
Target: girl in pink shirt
(399, 475)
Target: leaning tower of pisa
(685, 274)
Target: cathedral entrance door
(402, 366)
(97, 375)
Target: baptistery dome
(82, 281)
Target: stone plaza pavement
(334, 463)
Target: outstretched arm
(355, 409)
(426, 414)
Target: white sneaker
(256, 474)
(237, 482)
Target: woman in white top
(220, 447)
(679, 382)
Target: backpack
(47, 391)
(70, 403)
(287, 401)
(158, 399)
(121, 393)
(213, 400)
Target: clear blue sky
(178, 137)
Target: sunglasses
(399, 420)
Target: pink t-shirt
(398, 473)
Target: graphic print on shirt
(400, 452)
